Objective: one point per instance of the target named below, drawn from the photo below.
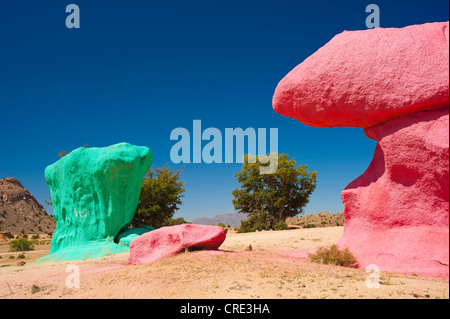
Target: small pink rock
(168, 241)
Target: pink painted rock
(363, 78)
(168, 241)
(397, 213)
(393, 83)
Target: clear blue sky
(135, 70)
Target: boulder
(168, 241)
(125, 237)
(397, 212)
(394, 83)
(363, 78)
(95, 192)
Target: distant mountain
(19, 210)
(228, 219)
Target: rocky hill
(20, 211)
(323, 219)
(228, 219)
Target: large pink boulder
(363, 78)
(168, 241)
(394, 83)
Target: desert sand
(275, 267)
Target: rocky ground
(275, 267)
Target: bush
(333, 256)
(175, 221)
(255, 222)
(21, 244)
(35, 289)
(309, 226)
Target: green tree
(269, 199)
(160, 197)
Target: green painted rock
(94, 192)
(125, 237)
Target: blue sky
(135, 70)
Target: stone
(168, 241)
(95, 192)
(394, 83)
(125, 237)
(363, 78)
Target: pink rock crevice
(393, 83)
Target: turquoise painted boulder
(95, 192)
(125, 237)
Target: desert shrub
(21, 256)
(309, 226)
(24, 236)
(333, 256)
(20, 244)
(35, 236)
(35, 289)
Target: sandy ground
(274, 268)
